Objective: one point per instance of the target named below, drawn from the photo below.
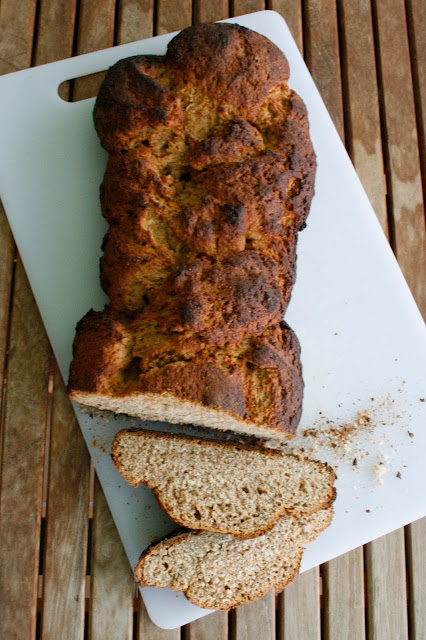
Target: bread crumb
(379, 469)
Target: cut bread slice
(220, 486)
(217, 571)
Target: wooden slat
(404, 181)
(299, 608)
(386, 591)
(111, 598)
(16, 34)
(135, 20)
(22, 465)
(241, 7)
(211, 627)
(173, 16)
(291, 11)
(55, 31)
(16, 40)
(210, 11)
(147, 630)
(416, 564)
(363, 132)
(95, 31)
(322, 54)
(255, 620)
(55, 35)
(343, 598)
(66, 527)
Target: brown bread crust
(209, 179)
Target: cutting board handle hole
(81, 88)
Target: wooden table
(63, 573)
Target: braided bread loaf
(209, 179)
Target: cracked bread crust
(209, 179)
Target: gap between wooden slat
(48, 428)
(35, 33)
(3, 398)
(385, 146)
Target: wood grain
(210, 11)
(135, 20)
(25, 415)
(255, 620)
(361, 102)
(299, 611)
(416, 565)
(241, 7)
(291, 11)
(402, 153)
(322, 55)
(386, 591)
(95, 31)
(147, 630)
(343, 598)
(112, 581)
(211, 627)
(173, 16)
(16, 34)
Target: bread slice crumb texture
(217, 571)
(222, 487)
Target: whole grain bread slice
(217, 571)
(220, 486)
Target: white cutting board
(361, 333)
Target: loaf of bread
(209, 179)
(220, 486)
(218, 571)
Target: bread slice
(222, 487)
(217, 571)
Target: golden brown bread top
(209, 179)
(154, 91)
